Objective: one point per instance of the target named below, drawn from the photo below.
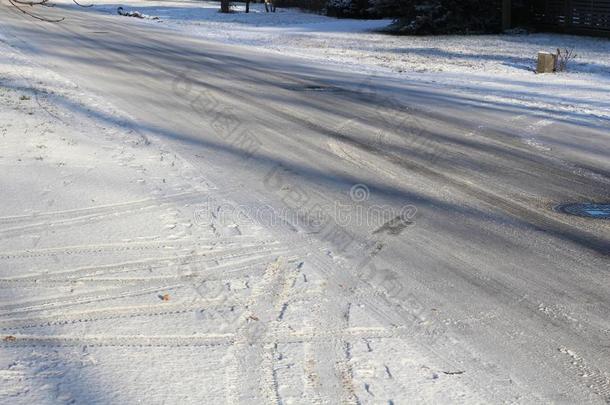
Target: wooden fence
(573, 16)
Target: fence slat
(578, 16)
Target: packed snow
(499, 67)
(121, 279)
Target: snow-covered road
(189, 221)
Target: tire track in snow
(256, 385)
(134, 311)
(597, 380)
(170, 245)
(37, 222)
(217, 271)
(208, 261)
(63, 301)
(216, 339)
(115, 313)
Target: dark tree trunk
(247, 6)
(225, 6)
(270, 5)
(506, 17)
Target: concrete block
(546, 62)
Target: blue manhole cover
(599, 211)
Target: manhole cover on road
(599, 211)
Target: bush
(433, 17)
(389, 8)
(415, 17)
(348, 8)
(312, 5)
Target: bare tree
(21, 6)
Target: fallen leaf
(164, 297)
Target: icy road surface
(187, 221)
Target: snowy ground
(121, 278)
(126, 277)
(499, 67)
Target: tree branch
(18, 3)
